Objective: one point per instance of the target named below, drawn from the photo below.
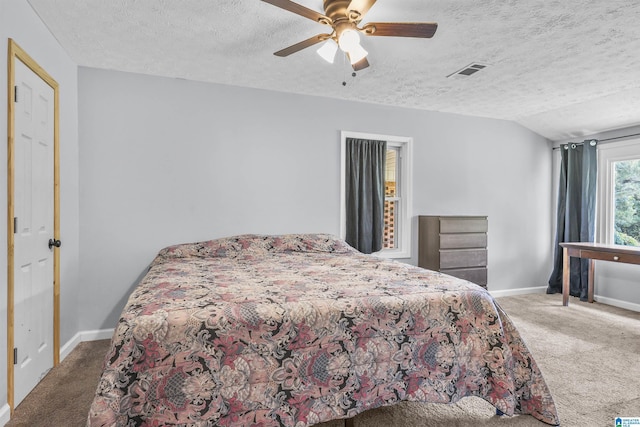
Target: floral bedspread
(295, 330)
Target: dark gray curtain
(365, 161)
(576, 213)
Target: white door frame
(17, 53)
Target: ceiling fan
(344, 18)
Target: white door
(33, 212)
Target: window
(619, 171)
(392, 198)
(626, 202)
(397, 204)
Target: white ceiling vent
(469, 70)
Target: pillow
(212, 248)
(231, 247)
(309, 243)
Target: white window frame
(608, 154)
(405, 207)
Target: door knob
(54, 242)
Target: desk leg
(590, 280)
(565, 276)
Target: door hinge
(15, 355)
(15, 94)
(15, 224)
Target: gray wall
(19, 22)
(164, 161)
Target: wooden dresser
(455, 245)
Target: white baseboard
(617, 303)
(543, 289)
(5, 414)
(98, 334)
(520, 291)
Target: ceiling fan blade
(359, 6)
(360, 65)
(401, 29)
(302, 45)
(300, 10)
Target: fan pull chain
(344, 82)
(344, 67)
(344, 79)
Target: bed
(295, 330)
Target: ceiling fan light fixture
(328, 51)
(357, 54)
(349, 40)
(344, 17)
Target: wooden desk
(593, 251)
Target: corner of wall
(100, 334)
(5, 414)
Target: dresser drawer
(475, 275)
(463, 240)
(464, 225)
(459, 258)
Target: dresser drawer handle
(616, 257)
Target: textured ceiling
(561, 68)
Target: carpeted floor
(63, 397)
(588, 353)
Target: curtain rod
(600, 140)
(619, 137)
